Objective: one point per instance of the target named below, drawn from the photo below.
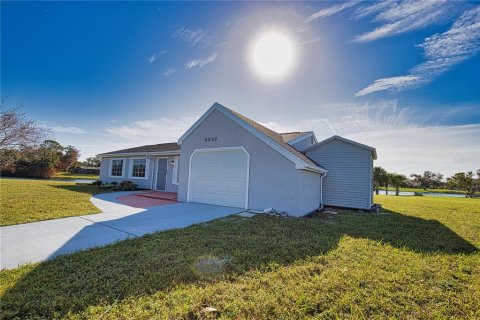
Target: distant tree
(8, 160)
(69, 158)
(398, 180)
(63, 157)
(92, 162)
(465, 181)
(386, 181)
(36, 162)
(378, 178)
(52, 150)
(17, 131)
(429, 180)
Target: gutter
(127, 154)
(308, 167)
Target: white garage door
(219, 177)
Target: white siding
(142, 183)
(349, 179)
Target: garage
(219, 176)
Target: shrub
(114, 183)
(127, 185)
(97, 183)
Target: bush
(127, 185)
(97, 183)
(114, 183)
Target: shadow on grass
(82, 188)
(163, 260)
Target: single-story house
(228, 159)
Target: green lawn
(34, 200)
(390, 189)
(67, 175)
(418, 260)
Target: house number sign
(210, 139)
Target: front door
(161, 174)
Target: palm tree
(378, 177)
(398, 181)
(386, 181)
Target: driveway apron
(39, 241)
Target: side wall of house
(148, 182)
(273, 180)
(349, 179)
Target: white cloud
(373, 8)
(169, 72)
(326, 12)
(194, 37)
(201, 62)
(447, 149)
(402, 16)
(155, 56)
(394, 16)
(74, 130)
(403, 145)
(442, 52)
(389, 83)
(151, 131)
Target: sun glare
(272, 55)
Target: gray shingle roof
(289, 136)
(162, 147)
(275, 136)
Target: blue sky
(400, 76)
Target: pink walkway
(148, 199)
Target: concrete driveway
(39, 241)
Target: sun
(272, 55)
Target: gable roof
(297, 138)
(354, 143)
(151, 148)
(289, 136)
(270, 137)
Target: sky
(401, 76)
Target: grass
(35, 200)
(419, 259)
(67, 175)
(448, 191)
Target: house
(228, 159)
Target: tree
(429, 180)
(17, 131)
(92, 162)
(386, 182)
(398, 180)
(465, 181)
(37, 162)
(378, 177)
(52, 150)
(69, 158)
(64, 157)
(8, 160)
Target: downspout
(321, 188)
(151, 159)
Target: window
(139, 168)
(116, 168)
(176, 170)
